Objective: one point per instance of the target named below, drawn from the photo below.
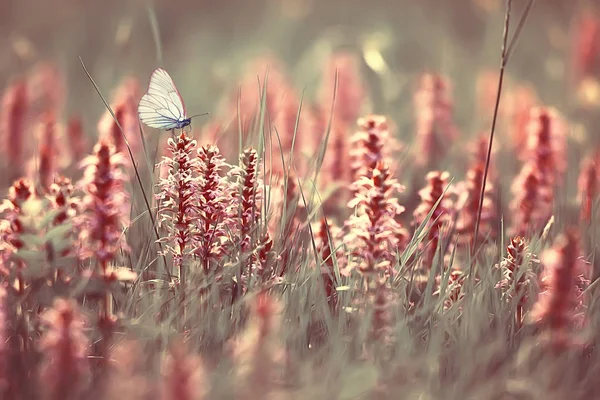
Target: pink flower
(560, 305)
(15, 103)
(64, 348)
(351, 91)
(437, 182)
(76, 139)
(435, 128)
(515, 283)
(215, 206)
(104, 205)
(471, 196)
(375, 235)
(589, 187)
(178, 205)
(532, 202)
(126, 99)
(183, 375)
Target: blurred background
(205, 44)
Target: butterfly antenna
(137, 173)
(199, 115)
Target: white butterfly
(162, 106)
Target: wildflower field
(338, 227)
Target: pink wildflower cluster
(469, 201)
(435, 128)
(517, 277)
(178, 208)
(588, 187)
(65, 348)
(104, 205)
(215, 206)
(15, 102)
(124, 106)
(560, 305)
(442, 216)
(377, 233)
(371, 144)
(534, 187)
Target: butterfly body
(162, 106)
(183, 122)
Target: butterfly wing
(155, 112)
(161, 107)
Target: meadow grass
(299, 248)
